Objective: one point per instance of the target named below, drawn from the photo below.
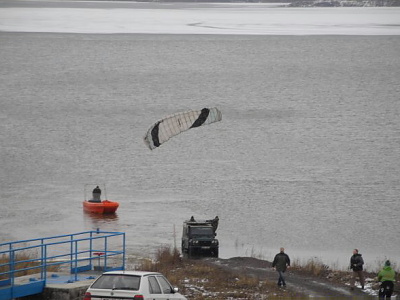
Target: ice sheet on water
(213, 19)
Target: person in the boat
(96, 195)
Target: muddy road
(298, 282)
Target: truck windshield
(201, 231)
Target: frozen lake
(306, 156)
(194, 18)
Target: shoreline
(255, 277)
(372, 265)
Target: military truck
(198, 237)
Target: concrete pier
(61, 286)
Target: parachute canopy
(174, 124)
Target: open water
(306, 157)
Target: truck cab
(198, 238)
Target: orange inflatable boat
(103, 207)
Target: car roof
(131, 273)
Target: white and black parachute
(174, 124)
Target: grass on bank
(312, 266)
(23, 260)
(315, 267)
(198, 280)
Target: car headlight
(215, 242)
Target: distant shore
(295, 3)
(272, 3)
(112, 17)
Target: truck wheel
(215, 252)
(183, 248)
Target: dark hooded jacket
(281, 261)
(356, 262)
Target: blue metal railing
(76, 252)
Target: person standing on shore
(356, 264)
(281, 263)
(387, 277)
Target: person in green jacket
(387, 277)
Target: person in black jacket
(356, 264)
(281, 263)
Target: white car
(133, 285)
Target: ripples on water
(306, 157)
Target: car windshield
(202, 231)
(117, 282)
